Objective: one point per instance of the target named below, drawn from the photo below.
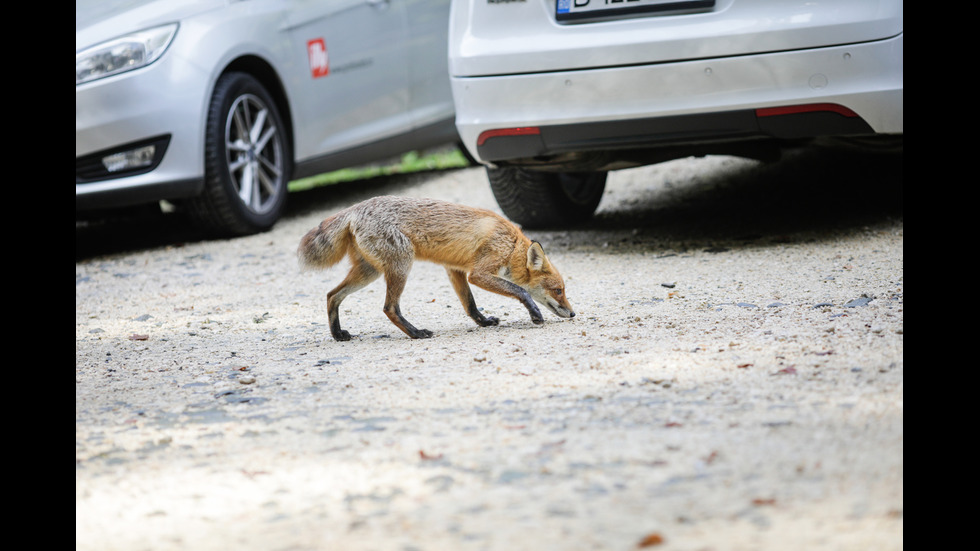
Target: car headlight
(122, 54)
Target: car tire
(539, 199)
(247, 159)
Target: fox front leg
(501, 286)
(462, 288)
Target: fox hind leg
(462, 288)
(395, 280)
(360, 275)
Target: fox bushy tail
(326, 244)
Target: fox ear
(535, 257)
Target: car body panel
(366, 53)
(428, 40)
(100, 20)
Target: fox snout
(557, 304)
(560, 310)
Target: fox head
(545, 284)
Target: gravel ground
(733, 379)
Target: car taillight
(518, 131)
(806, 108)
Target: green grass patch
(410, 162)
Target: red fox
(384, 235)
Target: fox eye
(556, 292)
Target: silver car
(553, 94)
(215, 105)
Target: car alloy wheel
(253, 153)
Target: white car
(215, 105)
(552, 94)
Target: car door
(351, 83)
(430, 95)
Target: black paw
(422, 334)
(341, 335)
(489, 321)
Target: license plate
(592, 10)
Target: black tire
(247, 160)
(538, 199)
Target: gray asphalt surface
(733, 379)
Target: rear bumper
(660, 104)
(679, 131)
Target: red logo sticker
(316, 50)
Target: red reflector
(809, 108)
(519, 131)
